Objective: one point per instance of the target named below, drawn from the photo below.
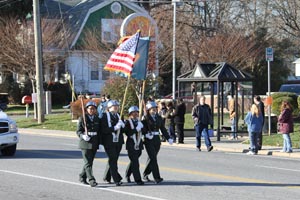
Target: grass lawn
(52, 122)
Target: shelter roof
(213, 72)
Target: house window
(94, 71)
(110, 29)
(105, 74)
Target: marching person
(153, 125)
(202, 117)
(113, 140)
(88, 130)
(134, 144)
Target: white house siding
(80, 64)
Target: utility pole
(38, 61)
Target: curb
(266, 152)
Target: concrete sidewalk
(236, 146)
(224, 145)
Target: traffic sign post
(269, 57)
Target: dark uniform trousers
(88, 148)
(152, 146)
(112, 149)
(152, 149)
(134, 166)
(88, 156)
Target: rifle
(83, 114)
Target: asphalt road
(46, 166)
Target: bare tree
(17, 45)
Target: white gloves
(149, 136)
(85, 137)
(139, 126)
(117, 127)
(121, 123)
(170, 140)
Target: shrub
(278, 97)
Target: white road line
(294, 170)
(78, 184)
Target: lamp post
(174, 2)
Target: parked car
(295, 88)
(9, 136)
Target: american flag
(123, 57)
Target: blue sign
(269, 54)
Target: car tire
(9, 151)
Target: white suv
(9, 136)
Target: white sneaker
(251, 153)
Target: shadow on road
(234, 184)
(51, 154)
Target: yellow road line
(176, 170)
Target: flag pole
(124, 97)
(141, 100)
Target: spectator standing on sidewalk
(232, 117)
(103, 105)
(179, 120)
(261, 105)
(170, 120)
(254, 120)
(88, 131)
(162, 110)
(202, 117)
(286, 126)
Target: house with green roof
(105, 17)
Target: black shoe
(128, 179)
(93, 183)
(119, 183)
(198, 149)
(107, 181)
(146, 178)
(83, 181)
(210, 148)
(140, 182)
(159, 180)
(180, 142)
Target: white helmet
(112, 103)
(133, 109)
(91, 103)
(150, 105)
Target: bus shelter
(216, 81)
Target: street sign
(269, 54)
